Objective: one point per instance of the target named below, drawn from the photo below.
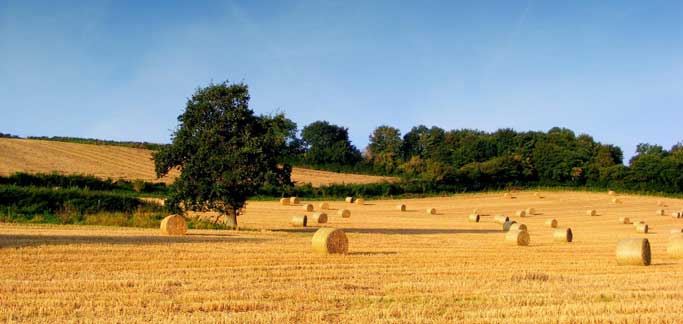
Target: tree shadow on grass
(25, 240)
(395, 231)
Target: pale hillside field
(106, 161)
(402, 267)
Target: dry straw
(173, 225)
(284, 201)
(517, 237)
(518, 227)
(563, 235)
(324, 206)
(329, 241)
(641, 228)
(661, 203)
(500, 219)
(345, 213)
(520, 213)
(294, 200)
(530, 211)
(473, 218)
(401, 207)
(660, 212)
(299, 221)
(551, 223)
(349, 199)
(308, 207)
(634, 251)
(431, 211)
(508, 224)
(624, 220)
(676, 231)
(591, 212)
(319, 217)
(360, 201)
(675, 247)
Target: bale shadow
(395, 231)
(26, 240)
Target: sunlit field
(402, 267)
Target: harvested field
(107, 161)
(401, 267)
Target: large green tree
(384, 148)
(224, 152)
(326, 143)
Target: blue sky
(123, 69)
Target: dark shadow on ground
(24, 240)
(394, 231)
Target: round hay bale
(675, 247)
(507, 195)
(473, 218)
(676, 231)
(324, 206)
(520, 213)
(344, 213)
(401, 207)
(642, 228)
(676, 214)
(530, 211)
(634, 251)
(611, 193)
(518, 227)
(660, 212)
(551, 223)
(563, 235)
(330, 241)
(349, 200)
(518, 237)
(501, 219)
(308, 207)
(319, 217)
(431, 211)
(284, 201)
(624, 220)
(508, 224)
(360, 201)
(591, 212)
(616, 201)
(299, 221)
(173, 225)
(294, 200)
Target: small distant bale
(473, 218)
(349, 200)
(284, 201)
(500, 219)
(431, 211)
(294, 200)
(174, 225)
(517, 237)
(344, 213)
(520, 213)
(507, 195)
(324, 206)
(661, 203)
(530, 211)
(508, 224)
(591, 212)
(660, 212)
(624, 220)
(299, 221)
(401, 207)
(563, 235)
(538, 195)
(616, 201)
(612, 193)
(360, 201)
(675, 247)
(551, 223)
(642, 228)
(634, 251)
(330, 241)
(676, 231)
(676, 214)
(308, 207)
(518, 226)
(319, 217)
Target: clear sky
(123, 69)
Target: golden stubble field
(116, 162)
(402, 267)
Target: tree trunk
(231, 219)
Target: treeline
(86, 182)
(79, 140)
